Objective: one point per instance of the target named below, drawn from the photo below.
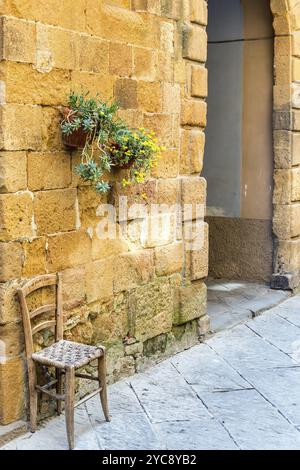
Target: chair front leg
(102, 383)
(69, 404)
(33, 394)
(59, 389)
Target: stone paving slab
(277, 331)
(205, 434)
(165, 395)
(201, 365)
(252, 422)
(281, 387)
(241, 346)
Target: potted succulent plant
(106, 142)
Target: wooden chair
(65, 356)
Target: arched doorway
(238, 162)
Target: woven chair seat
(64, 354)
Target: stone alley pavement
(239, 390)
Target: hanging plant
(106, 142)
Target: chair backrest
(47, 280)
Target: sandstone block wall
(141, 299)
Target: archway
(239, 155)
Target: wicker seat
(67, 354)
(64, 356)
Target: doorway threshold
(231, 302)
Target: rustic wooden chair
(65, 356)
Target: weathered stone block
(19, 40)
(171, 98)
(199, 258)
(169, 259)
(149, 96)
(11, 255)
(13, 171)
(193, 113)
(26, 85)
(21, 127)
(11, 398)
(73, 287)
(199, 81)
(198, 12)
(120, 60)
(99, 280)
(34, 257)
(94, 82)
(48, 170)
(191, 151)
(67, 250)
(194, 43)
(132, 269)
(9, 303)
(16, 216)
(192, 303)
(144, 63)
(93, 54)
(162, 125)
(167, 165)
(54, 211)
(151, 310)
(126, 93)
(193, 197)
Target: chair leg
(33, 395)
(69, 402)
(102, 383)
(59, 389)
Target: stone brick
(199, 81)
(169, 259)
(295, 184)
(149, 96)
(12, 336)
(94, 82)
(93, 54)
(9, 303)
(21, 127)
(167, 165)
(282, 187)
(120, 60)
(68, 250)
(198, 12)
(54, 211)
(151, 310)
(99, 280)
(193, 190)
(11, 397)
(13, 171)
(88, 202)
(171, 98)
(282, 148)
(126, 93)
(168, 191)
(51, 133)
(193, 113)
(191, 151)
(73, 287)
(295, 148)
(161, 229)
(161, 124)
(62, 48)
(199, 258)
(16, 216)
(10, 261)
(109, 320)
(19, 40)
(144, 63)
(194, 43)
(132, 269)
(192, 303)
(34, 262)
(26, 85)
(171, 9)
(287, 256)
(48, 170)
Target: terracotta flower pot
(78, 138)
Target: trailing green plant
(108, 142)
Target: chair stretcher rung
(50, 393)
(91, 395)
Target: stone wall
(142, 300)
